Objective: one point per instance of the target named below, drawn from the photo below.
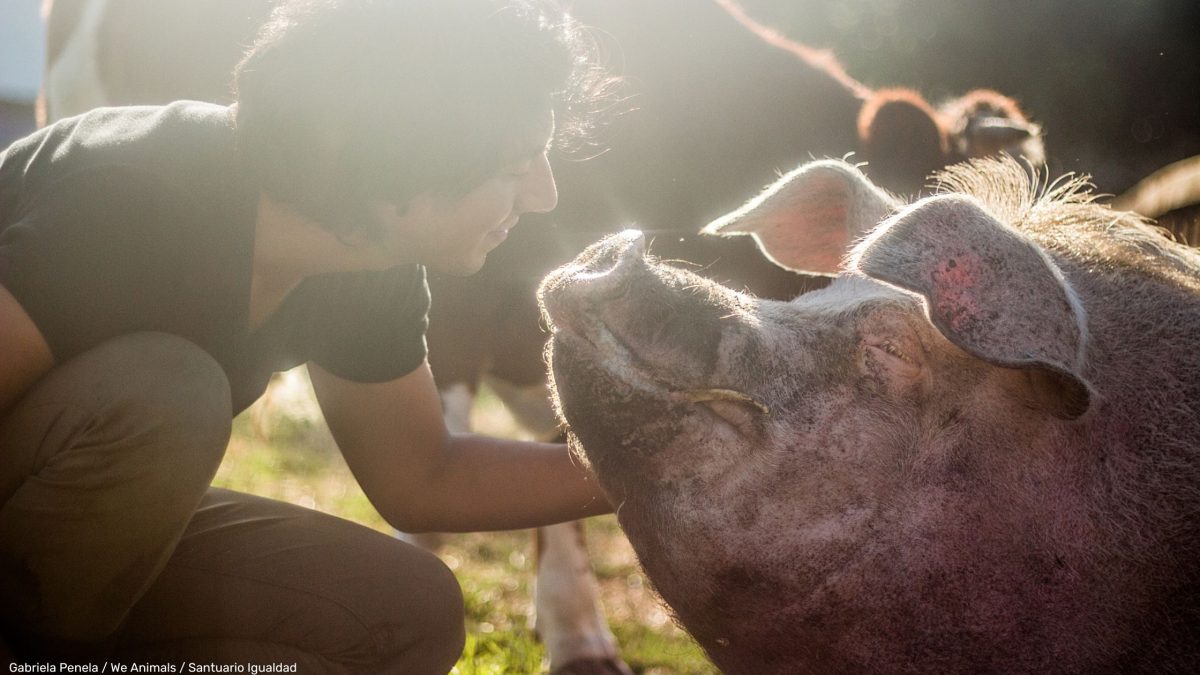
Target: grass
(282, 450)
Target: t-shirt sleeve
(372, 325)
(82, 268)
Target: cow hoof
(609, 666)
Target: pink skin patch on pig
(954, 301)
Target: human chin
(462, 265)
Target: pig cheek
(673, 334)
(615, 423)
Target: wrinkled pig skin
(977, 450)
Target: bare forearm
(422, 478)
(486, 483)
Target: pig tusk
(702, 395)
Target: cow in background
(715, 104)
(130, 52)
(1115, 88)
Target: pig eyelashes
(890, 348)
(903, 364)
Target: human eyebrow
(540, 143)
(542, 139)
(525, 153)
(528, 146)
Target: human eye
(518, 169)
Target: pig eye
(890, 348)
(897, 360)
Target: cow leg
(569, 617)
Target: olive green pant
(113, 545)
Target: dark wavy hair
(344, 101)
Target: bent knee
(149, 400)
(168, 375)
(445, 633)
(423, 630)
(156, 387)
(153, 371)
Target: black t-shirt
(138, 219)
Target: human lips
(499, 234)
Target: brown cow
(716, 104)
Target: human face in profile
(453, 235)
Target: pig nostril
(630, 243)
(631, 247)
(601, 274)
(610, 275)
(612, 257)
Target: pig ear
(807, 220)
(990, 291)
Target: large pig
(978, 450)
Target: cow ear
(986, 123)
(990, 291)
(808, 220)
(987, 136)
(902, 138)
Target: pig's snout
(598, 275)
(609, 262)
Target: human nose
(539, 194)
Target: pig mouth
(585, 339)
(620, 364)
(725, 395)
(588, 340)
(581, 336)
